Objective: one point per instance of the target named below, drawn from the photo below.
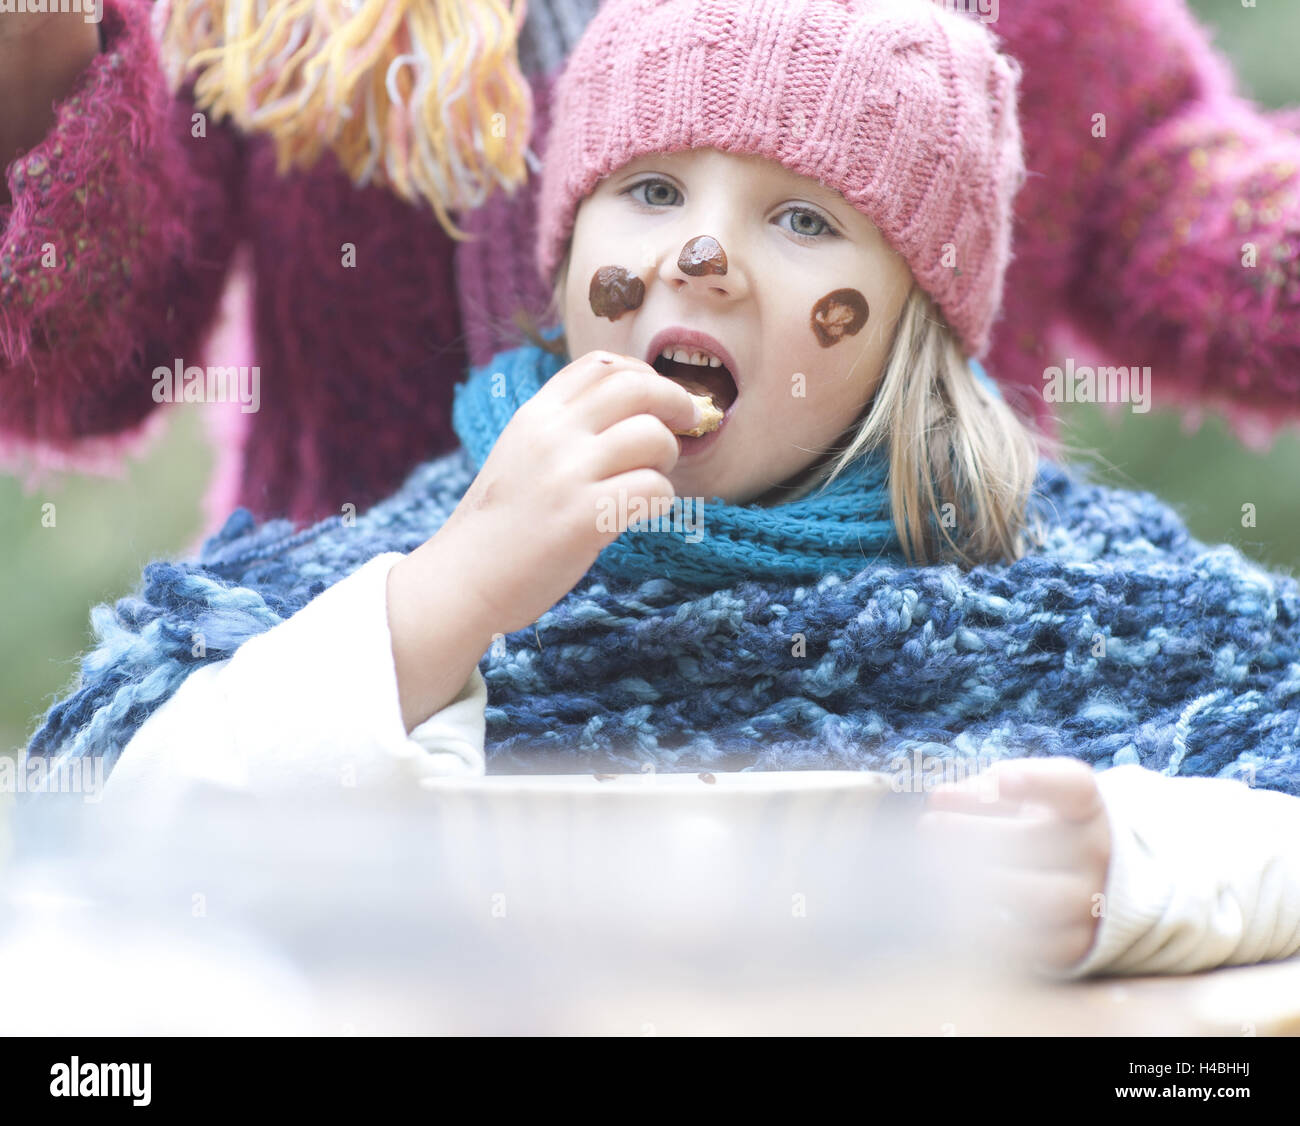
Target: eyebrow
(829, 196)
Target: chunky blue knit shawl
(1121, 640)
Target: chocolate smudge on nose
(614, 292)
(841, 313)
(702, 255)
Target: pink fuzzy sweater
(1128, 249)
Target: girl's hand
(1039, 832)
(595, 439)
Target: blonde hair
(959, 457)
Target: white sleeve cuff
(1204, 872)
(1138, 889)
(453, 738)
(311, 704)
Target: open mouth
(701, 379)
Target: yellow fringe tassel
(424, 97)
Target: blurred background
(107, 528)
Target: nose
(702, 263)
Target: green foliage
(104, 531)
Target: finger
(648, 485)
(1018, 840)
(1028, 939)
(1044, 899)
(979, 794)
(590, 368)
(983, 922)
(1068, 786)
(624, 393)
(1064, 947)
(1061, 784)
(1035, 949)
(639, 442)
(990, 792)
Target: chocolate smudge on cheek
(702, 255)
(614, 292)
(841, 313)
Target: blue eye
(823, 230)
(648, 183)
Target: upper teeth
(697, 357)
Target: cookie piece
(710, 417)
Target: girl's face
(799, 290)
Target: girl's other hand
(596, 439)
(1038, 830)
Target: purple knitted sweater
(1128, 249)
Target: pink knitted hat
(906, 109)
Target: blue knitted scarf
(786, 638)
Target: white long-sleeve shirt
(1203, 871)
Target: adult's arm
(1137, 243)
(42, 54)
(114, 249)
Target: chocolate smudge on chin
(614, 291)
(841, 313)
(702, 255)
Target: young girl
(797, 216)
